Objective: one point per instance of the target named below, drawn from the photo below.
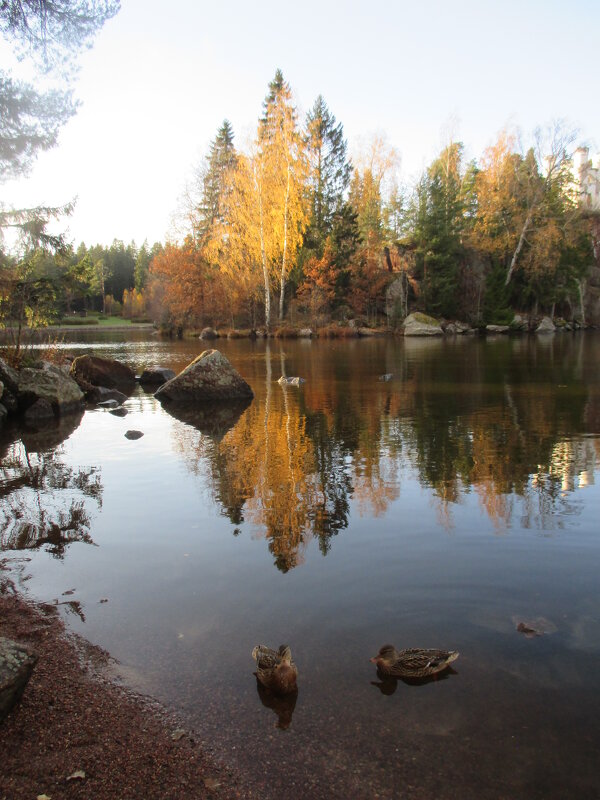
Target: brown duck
(413, 663)
(275, 668)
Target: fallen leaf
(211, 784)
(43, 797)
(178, 734)
(78, 775)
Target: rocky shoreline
(78, 734)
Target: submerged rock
(497, 328)
(100, 395)
(16, 666)
(209, 377)
(133, 435)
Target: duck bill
(373, 660)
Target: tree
(329, 172)
(437, 226)
(51, 33)
(280, 169)
(214, 180)
(522, 201)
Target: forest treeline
(291, 231)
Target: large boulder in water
(50, 386)
(209, 377)
(419, 324)
(99, 371)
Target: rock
(133, 435)
(209, 377)
(546, 326)
(39, 411)
(418, 324)
(156, 375)
(387, 377)
(99, 371)
(209, 333)
(118, 412)
(305, 333)
(1, 389)
(101, 395)
(3, 413)
(9, 401)
(534, 627)
(9, 376)
(283, 381)
(16, 666)
(370, 332)
(519, 323)
(50, 383)
(108, 404)
(497, 328)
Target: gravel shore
(77, 734)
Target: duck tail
(452, 656)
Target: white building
(586, 175)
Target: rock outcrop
(209, 333)
(208, 378)
(16, 666)
(96, 371)
(418, 324)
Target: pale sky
(161, 78)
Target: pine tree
(329, 172)
(221, 158)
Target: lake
(441, 507)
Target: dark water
(436, 509)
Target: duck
(413, 663)
(275, 668)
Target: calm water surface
(436, 509)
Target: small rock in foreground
(16, 666)
(134, 435)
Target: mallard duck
(413, 663)
(275, 668)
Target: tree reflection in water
(45, 503)
(298, 459)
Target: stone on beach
(209, 377)
(16, 666)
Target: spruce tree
(221, 158)
(329, 172)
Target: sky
(161, 78)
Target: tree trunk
(581, 305)
(285, 237)
(265, 266)
(519, 247)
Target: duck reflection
(282, 705)
(387, 684)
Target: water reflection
(282, 705)
(505, 424)
(45, 502)
(387, 684)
